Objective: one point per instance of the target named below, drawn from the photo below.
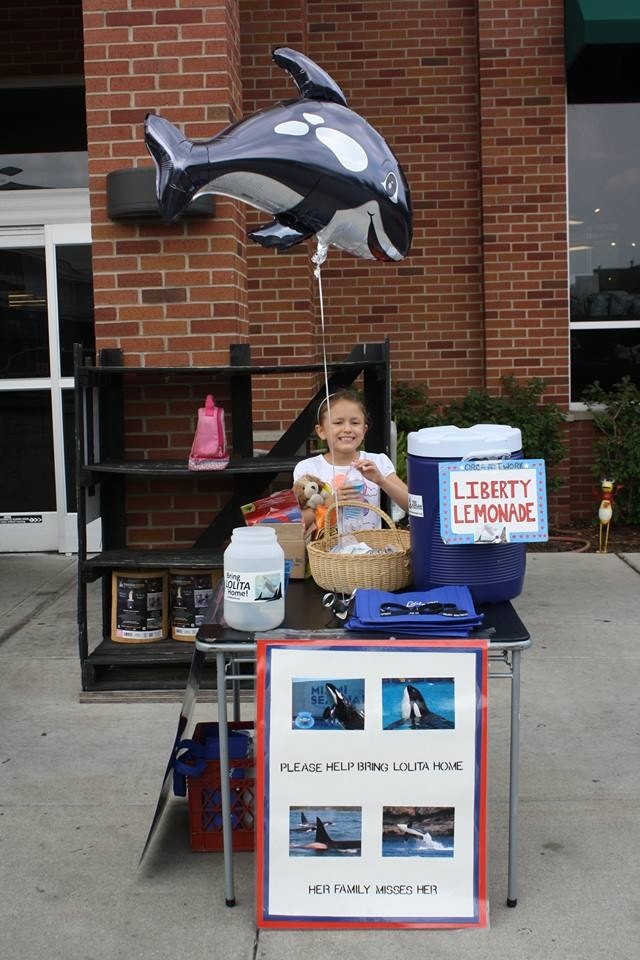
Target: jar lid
(255, 532)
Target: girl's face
(343, 430)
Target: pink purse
(209, 448)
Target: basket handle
(326, 531)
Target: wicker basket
(344, 572)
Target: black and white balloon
(314, 165)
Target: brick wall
(522, 117)
(166, 295)
(583, 487)
(470, 95)
(281, 291)
(410, 69)
(172, 295)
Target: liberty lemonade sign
(493, 501)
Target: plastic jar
(254, 579)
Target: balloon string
(318, 259)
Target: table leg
(514, 761)
(223, 733)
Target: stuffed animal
(311, 492)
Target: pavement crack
(47, 599)
(632, 566)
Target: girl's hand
(351, 490)
(368, 470)
(392, 485)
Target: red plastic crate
(205, 801)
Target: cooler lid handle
(488, 455)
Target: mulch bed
(584, 538)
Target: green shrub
(401, 455)
(519, 405)
(616, 417)
(411, 409)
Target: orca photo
(427, 703)
(325, 831)
(327, 704)
(418, 831)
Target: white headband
(322, 403)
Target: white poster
(372, 757)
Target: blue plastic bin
(493, 572)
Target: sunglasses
(431, 606)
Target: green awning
(597, 23)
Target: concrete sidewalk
(79, 782)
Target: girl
(342, 424)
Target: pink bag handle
(210, 410)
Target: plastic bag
(209, 448)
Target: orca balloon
(317, 167)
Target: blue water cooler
(493, 572)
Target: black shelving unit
(102, 466)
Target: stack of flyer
(442, 612)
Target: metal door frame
(60, 532)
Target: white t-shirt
(353, 518)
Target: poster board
(371, 783)
(493, 501)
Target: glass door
(46, 305)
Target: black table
(304, 613)
(306, 617)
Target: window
(44, 128)
(604, 244)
